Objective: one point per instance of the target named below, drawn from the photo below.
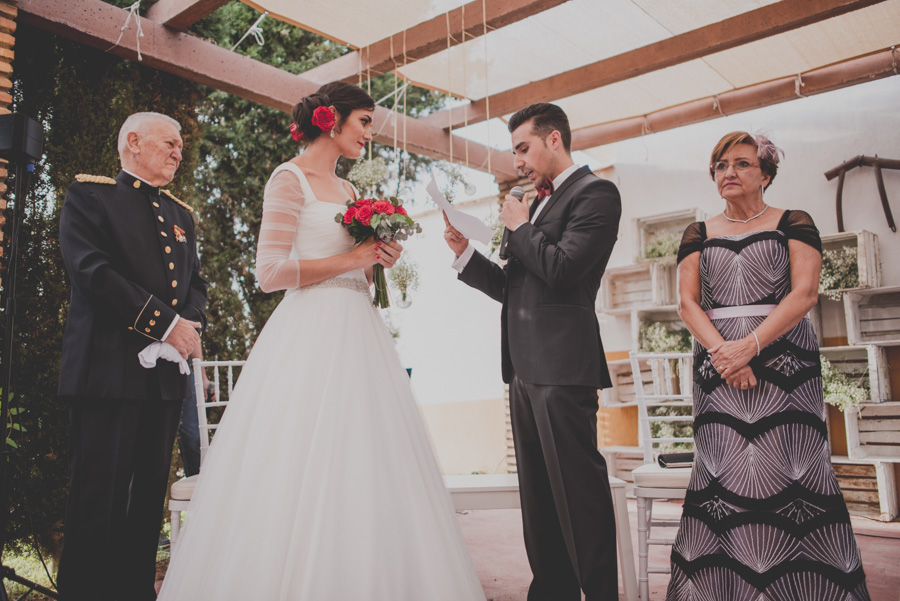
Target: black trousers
(120, 452)
(567, 510)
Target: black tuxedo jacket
(549, 285)
(131, 254)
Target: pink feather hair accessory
(766, 150)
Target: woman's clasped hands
(731, 359)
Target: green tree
(82, 96)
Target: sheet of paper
(469, 226)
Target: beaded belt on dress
(740, 311)
(338, 282)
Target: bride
(320, 483)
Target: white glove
(163, 350)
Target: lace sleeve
(692, 240)
(798, 225)
(282, 202)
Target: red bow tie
(544, 191)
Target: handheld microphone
(518, 192)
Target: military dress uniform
(131, 254)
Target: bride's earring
(332, 133)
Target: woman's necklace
(765, 208)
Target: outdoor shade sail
(576, 33)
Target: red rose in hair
(384, 206)
(295, 132)
(323, 118)
(364, 213)
(400, 210)
(348, 216)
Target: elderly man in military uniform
(131, 253)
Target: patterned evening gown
(764, 519)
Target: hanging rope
(369, 88)
(487, 90)
(394, 110)
(717, 106)
(894, 59)
(449, 79)
(645, 126)
(132, 12)
(798, 83)
(405, 88)
(255, 30)
(465, 77)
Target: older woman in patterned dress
(763, 515)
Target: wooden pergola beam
(428, 38)
(97, 24)
(181, 14)
(742, 29)
(847, 73)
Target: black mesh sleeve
(798, 225)
(692, 240)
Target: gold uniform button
(152, 322)
(168, 249)
(174, 301)
(130, 328)
(136, 184)
(155, 204)
(174, 283)
(171, 265)
(161, 220)
(156, 313)
(147, 330)
(164, 235)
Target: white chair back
(672, 386)
(221, 370)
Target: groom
(553, 358)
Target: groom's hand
(514, 212)
(456, 241)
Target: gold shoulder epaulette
(84, 178)
(178, 201)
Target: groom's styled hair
(545, 118)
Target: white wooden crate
(647, 228)
(873, 432)
(873, 316)
(867, 255)
(864, 364)
(645, 284)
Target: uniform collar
(136, 183)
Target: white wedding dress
(320, 483)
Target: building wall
(468, 436)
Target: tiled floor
(495, 541)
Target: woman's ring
(745, 384)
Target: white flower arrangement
(663, 248)
(840, 271)
(657, 337)
(404, 275)
(839, 390)
(368, 174)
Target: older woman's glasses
(721, 167)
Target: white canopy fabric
(581, 32)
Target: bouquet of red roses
(383, 219)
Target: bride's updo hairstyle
(344, 97)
